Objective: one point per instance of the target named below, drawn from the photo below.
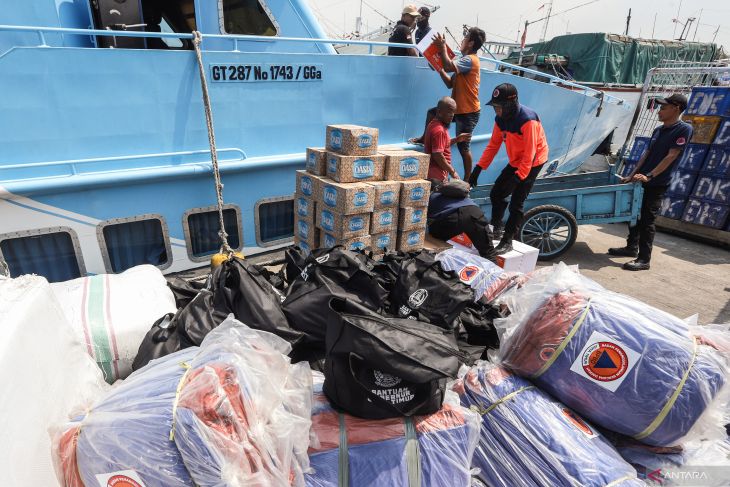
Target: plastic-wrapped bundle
(622, 364)
(528, 438)
(483, 276)
(231, 412)
(434, 450)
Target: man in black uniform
(654, 171)
(423, 26)
(402, 33)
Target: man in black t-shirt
(423, 26)
(402, 33)
(654, 172)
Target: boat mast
(547, 21)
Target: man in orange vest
(520, 129)
(465, 87)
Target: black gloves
(475, 176)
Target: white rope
(197, 40)
(4, 269)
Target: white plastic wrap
(112, 313)
(230, 412)
(45, 374)
(483, 276)
(618, 362)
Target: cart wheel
(550, 228)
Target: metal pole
(674, 33)
(653, 26)
(715, 36)
(547, 21)
(699, 19)
(628, 21)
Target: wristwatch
(650, 176)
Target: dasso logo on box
(365, 141)
(312, 161)
(330, 196)
(305, 247)
(357, 246)
(417, 194)
(336, 139)
(357, 223)
(328, 220)
(332, 165)
(417, 216)
(303, 228)
(387, 198)
(302, 207)
(409, 167)
(413, 238)
(386, 218)
(383, 241)
(329, 240)
(361, 198)
(307, 185)
(363, 168)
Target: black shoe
(497, 232)
(623, 252)
(503, 247)
(637, 265)
(491, 256)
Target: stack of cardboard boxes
(353, 194)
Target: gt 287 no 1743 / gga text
(265, 72)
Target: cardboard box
(343, 226)
(522, 258)
(355, 243)
(308, 184)
(352, 140)
(305, 207)
(383, 241)
(387, 194)
(317, 161)
(410, 240)
(405, 165)
(306, 231)
(411, 219)
(414, 193)
(346, 198)
(355, 169)
(384, 221)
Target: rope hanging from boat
(225, 247)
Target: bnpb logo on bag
(329, 240)
(417, 194)
(417, 216)
(124, 478)
(303, 229)
(330, 196)
(307, 185)
(302, 207)
(385, 218)
(361, 198)
(365, 141)
(387, 198)
(363, 168)
(357, 223)
(332, 165)
(383, 241)
(413, 238)
(336, 139)
(385, 380)
(328, 220)
(416, 299)
(409, 167)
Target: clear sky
(501, 19)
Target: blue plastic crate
(707, 213)
(628, 168)
(693, 158)
(640, 145)
(673, 207)
(709, 100)
(717, 161)
(711, 188)
(682, 183)
(722, 137)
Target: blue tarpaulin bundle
(620, 363)
(483, 276)
(529, 439)
(231, 412)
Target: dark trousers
(469, 220)
(641, 235)
(509, 184)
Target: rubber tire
(572, 223)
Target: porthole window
(53, 253)
(201, 231)
(247, 17)
(128, 242)
(274, 221)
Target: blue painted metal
(93, 134)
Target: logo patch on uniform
(409, 167)
(495, 93)
(385, 380)
(417, 299)
(307, 185)
(387, 198)
(365, 141)
(361, 199)
(336, 139)
(605, 361)
(357, 223)
(417, 194)
(578, 422)
(681, 141)
(330, 196)
(363, 168)
(469, 273)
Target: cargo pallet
(692, 231)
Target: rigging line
(377, 11)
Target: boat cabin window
(274, 220)
(201, 228)
(250, 17)
(169, 16)
(128, 242)
(53, 253)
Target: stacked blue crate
(640, 145)
(683, 181)
(709, 100)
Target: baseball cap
(424, 11)
(410, 10)
(504, 93)
(675, 99)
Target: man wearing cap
(423, 27)
(527, 149)
(654, 171)
(402, 33)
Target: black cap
(424, 11)
(676, 99)
(504, 93)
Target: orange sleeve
(492, 148)
(530, 133)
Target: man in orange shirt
(465, 86)
(520, 129)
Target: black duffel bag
(328, 273)
(380, 367)
(425, 291)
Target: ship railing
(235, 39)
